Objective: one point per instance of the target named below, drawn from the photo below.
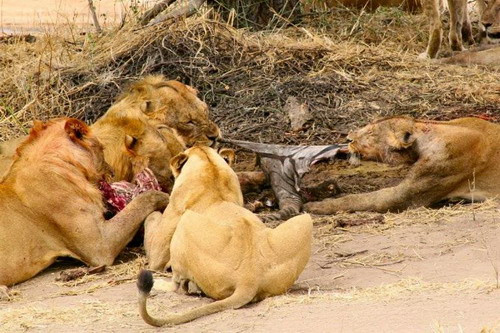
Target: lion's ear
(130, 142)
(228, 155)
(76, 129)
(401, 140)
(147, 107)
(177, 162)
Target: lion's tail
(239, 298)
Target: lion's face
(387, 140)
(134, 143)
(200, 171)
(491, 18)
(153, 149)
(177, 106)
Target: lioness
(52, 207)
(490, 19)
(488, 55)
(174, 104)
(458, 159)
(214, 243)
(460, 26)
(132, 143)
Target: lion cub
(213, 243)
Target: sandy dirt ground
(419, 271)
(37, 15)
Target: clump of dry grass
(348, 66)
(401, 289)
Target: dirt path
(419, 271)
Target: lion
(216, 246)
(172, 108)
(52, 206)
(488, 55)
(457, 159)
(135, 142)
(490, 18)
(460, 26)
(174, 104)
(130, 144)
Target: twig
(153, 12)
(187, 10)
(94, 17)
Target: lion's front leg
(102, 247)
(431, 9)
(4, 293)
(158, 233)
(379, 201)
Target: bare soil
(418, 271)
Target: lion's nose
(487, 25)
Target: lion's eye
(191, 123)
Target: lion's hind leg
(290, 244)
(165, 285)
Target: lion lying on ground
(173, 104)
(215, 245)
(489, 55)
(458, 159)
(52, 207)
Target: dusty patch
(429, 270)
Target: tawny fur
(175, 105)
(171, 108)
(134, 142)
(215, 244)
(490, 18)
(51, 205)
(447, 158)
(460, 26)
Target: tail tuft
(145, 281)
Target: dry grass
(348, 65)
(399, 290)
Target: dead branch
(155, 10)
(187, 10)
(94, 17)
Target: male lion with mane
(52, 206)
(457, 159)
(173, 104)
(216, 246)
